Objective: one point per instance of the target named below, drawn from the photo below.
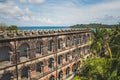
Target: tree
(100, 42)
(115, 41)
(99, 69)
(12, 27)
(103, 68)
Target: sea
(42, 27)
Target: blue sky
(59, 12)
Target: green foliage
(76, 78)
(100, 42)
(12, 27)
(79, 26)
(115, 41)
(99, 69)
(93, 25)
(4, 27)
(107, 67)
(80, 78)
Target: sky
(59, 12)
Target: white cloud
(108, 19)
(23, 1)
(89, 13)
(32, 1)
(34, 20)
(62, 14)
(36, 1)
(11, 12)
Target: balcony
(24, 52)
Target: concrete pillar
(19, 74)
(45, 47)
(45, 68)
(33, 71)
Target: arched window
(7, 76)
(79, 39)
(74, 68)
(51, 63)
(25, 74)
(74, 41)
(39, 69)
(73, 54)
(52, 77)
(67, 57)
(79, 51)
(78, 64)
(5, 56)
(50, 45)
(24, 52)
(60, 58)
(68, 71)
(88, 36)
(60, 75)
(39, 46)
(67, 42)
(84, 38)
(60, 43)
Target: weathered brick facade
(42, 55)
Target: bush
(12, 27)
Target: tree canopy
(4, 27)
(12, 27)
(93, 25)
(105, 66)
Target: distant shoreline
(42, 27)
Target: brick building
(42, 55)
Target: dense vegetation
(4, 27)
(105, 62)
(93, 25)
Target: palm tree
(102, 68)
(115, 41)
(100, 41)
(99, 69)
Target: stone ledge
(16, 34)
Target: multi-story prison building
(42, 55)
